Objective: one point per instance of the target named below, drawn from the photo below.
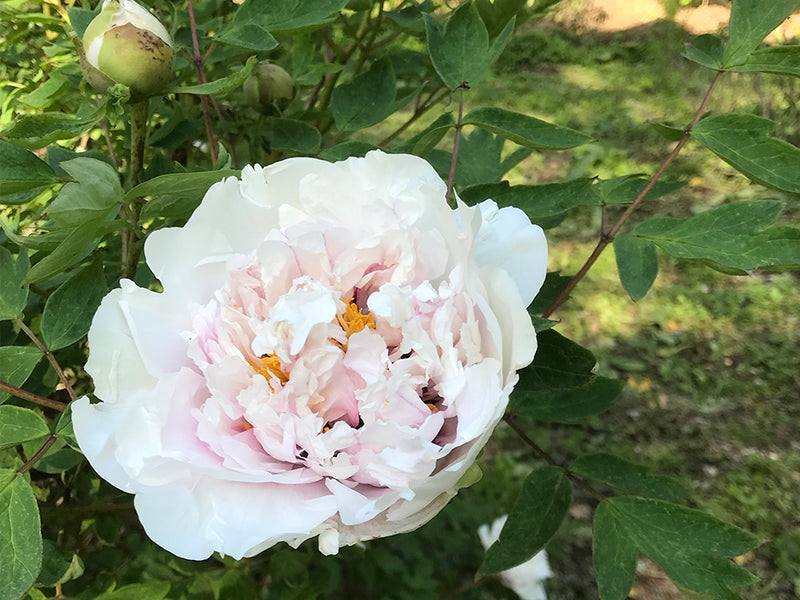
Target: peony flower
(331, 350)
(527, 579)
(126, 44)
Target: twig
(550, 460)
(419, 110)
(607, 238)
(35, 398)
(454, 158)
(201, 77)
(19, 322)
(131, 244)
(39, 453)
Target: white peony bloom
(329, 354)
(527, 579)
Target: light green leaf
(176, 195)
(20, 535)
(39, 130)
(460, 50)
(69, 310)
(367, 99)
(751, 22)
(422, 143)
(22, 170)
(627, 476)
(58, 566)
(16, 365)
(781, 60)
(154, 590)
(613, 555)
(19, 425)
(732, 237)
(96, 192)
(707, 50)
(743, 142)
(497, 13)
(524, 130)
(49, 91)
(537, 513)
(13, 295)
(295, 136)
(220, 87)
(637, 264)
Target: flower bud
(126, 44)
(268, 83)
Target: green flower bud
(267, 84)
(126, 44)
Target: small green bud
(267, 84)
(126, 44)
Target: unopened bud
(126, 44)
(268, 83)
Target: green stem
(131, 243)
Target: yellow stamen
(432, 407)
(353, 320)
(247, 425)
(269, 367)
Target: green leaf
(422, 143)
(69, 310)
(96, 192)
(20, 535)
(19, 425)
(154, 590)
(176, 195)
(460, 51)
(538, 201)
(498, 13)
(22, 170)
(691, 546)
(39, 130)
(743, 142)
(554, 284)
(367, 99)
(13, 295)
(627, 476)
(637, 264)
(295, 136)
(751, 22)
(613, 555)
(220, 87)
(732, 237)
(58, 566)
(17, 364)
(524, 130)
(537, 513)
(781, 60)
(559, 386)
(707, 50)
(668, 132)
(625, 189)
(346, 150)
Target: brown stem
(39, 453)
(35, 398)
(454, 157)
(201, 77)
(607, 238)
(550, 460)
(19, 322)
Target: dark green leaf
(743, 141)
(460, 51)
(17, 364)
(64, 428)
(154, 590)
(177, 194)
(751, 22)
(13, 295)
(734, 237)
(668, 132)
(624, 475)
(220, 87)
(537, 513)
(554, 283)
(498, 13)
(524, 130)
(295, 136)
(367, 99)
(782, 60)
(707, 50)
(538, 201)
(58, 566)
(637, 264)
(422, 143)
(80, 18)
(39, 130)
(96, 192)
(69, 310)
(625, 189)
(19, 425)
(20, 535)
(346, 150)
(58, 459)
(613, 555)
(22, 170)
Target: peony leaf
(743, 142)
(17, 364)
(345, 150)
(95, 191)
(706, 50)
(367, 99)
(13, 295)
(39, 130)
(176, 195)
(524, 130)
(153, 590)
(295, 136)
(781, 60)
(20, 535)
(23, 170)
(637, 264)
(538, 511)
(751, 21)
(19, 425)
(58, 566)
(69, 310)
(627, 476)
(222, 86)
(613, 555)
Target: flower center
(353, 320)
(270, 366)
